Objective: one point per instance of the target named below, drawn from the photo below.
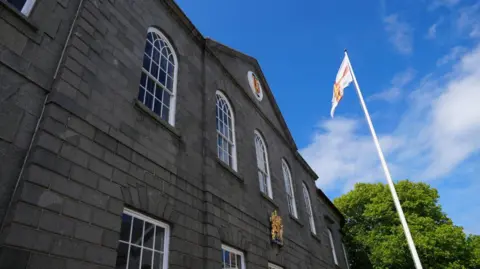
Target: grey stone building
(129, 140)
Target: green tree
(375, 239)
(473, 242)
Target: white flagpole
(396, 201)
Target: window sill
(18, 14)
(270, 200)
(140, 106)
(316, 237)
(296, 220)
(229, 169)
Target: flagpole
(396, 201)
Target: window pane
(169, 83)
(146, 62)
(150, 85)
(226, 257)
(159, 92)
(154, 70)
(137, 231)
(134, 259)
(148, 235)
(125, 230)
(166, 98)
(163, 63)
(122, 254)
(143, 79)
(157, 260)
(18, 4)
(170, 69)
(162, 77)
(158, 107)
(156, 55)
(150, 36)
(148, 100)
(262, 182)
(165, 113)
(146, 259)
(148, 48)
(159, 234)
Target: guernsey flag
(344, 78)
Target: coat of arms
(277, 228)
(256, 84)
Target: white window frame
(166, 236)
(308, 205)
(235, 251)
(274, 266)
(332, 245)
(346, 256)
(263, 147)
(27, 7)
(232, 142)
(173, 92)
(287, 177)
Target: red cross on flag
(343, 79)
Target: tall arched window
(346, 256)
(262, 165)
(309, 210)
(159, 76)
(332, 246)
(287, 177)
(225, 131)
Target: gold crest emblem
(277, 228)
(256, 84)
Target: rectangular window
(232, 258)
(143, 242)
(274, 266)
(24, 6)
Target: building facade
(129, 140)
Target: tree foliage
(375, 239)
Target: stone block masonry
(100, 157)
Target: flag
(343, 79)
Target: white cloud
(432, 31)
(398, 82)
(400, 33)
(468, 20)
(339, 154)
(453, 55)
(438, 131)
(443, 3)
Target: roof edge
(175, 8)
(332, 206)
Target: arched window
(309, 210)
(262, 165)
(346, 256)
(287, 177)
(225, 131)
(159, 76)
(332, 246)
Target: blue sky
(417, 62)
